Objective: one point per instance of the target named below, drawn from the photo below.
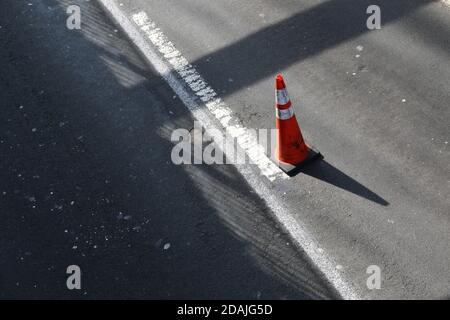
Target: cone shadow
(324, 171)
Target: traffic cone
(291, 153)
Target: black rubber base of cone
(292, 170)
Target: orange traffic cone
(291, 150)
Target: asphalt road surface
(86, 176)
(86, 179)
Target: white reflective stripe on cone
(285, 114)
(282, 96)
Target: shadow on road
(324, 171)
(303, 35)
(86, 179)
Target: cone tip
(279, 82)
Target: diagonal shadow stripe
(303, 35)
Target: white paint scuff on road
(168, 60)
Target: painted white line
(169, 59)
(245, 138)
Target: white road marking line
(245, 138)
(300, 235)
